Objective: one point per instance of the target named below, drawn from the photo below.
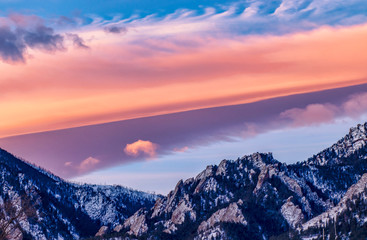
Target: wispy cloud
(77, 40)
(247, 18)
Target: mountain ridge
(285, 196)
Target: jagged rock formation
(63, 210)
(136, 223)
(256, 196)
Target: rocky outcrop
(136, 224)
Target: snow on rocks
(183, 209)
(355, 189)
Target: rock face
(210, 229)
(292, 213)
(256, 196)
(136, 224)
(63, 210)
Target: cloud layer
(221, 54)
(180, 131)
(173, 74)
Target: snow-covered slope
(355, 190)
(64, 210)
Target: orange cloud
(136, 148)
(123, 78)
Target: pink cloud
(311, 115)
(356, 105)
(68, 164)
(314, 114)
(183, 149)
(136, 148)
(88, 164)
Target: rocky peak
(209, 171)
(223, 167)
(260, 160)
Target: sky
(144, 93)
